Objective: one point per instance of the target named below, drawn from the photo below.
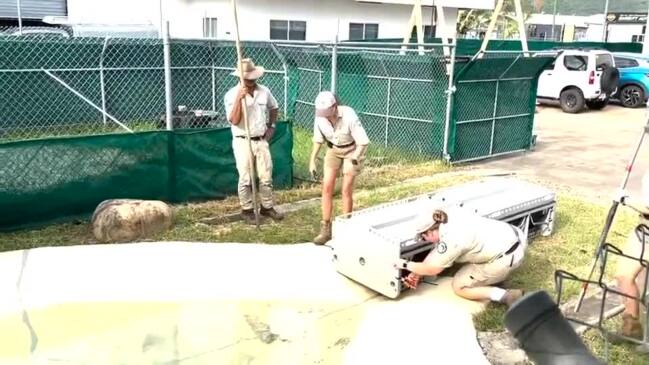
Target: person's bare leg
(478, 293)
(328, 187)
(626, 282)
(348, 193)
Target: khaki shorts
(633, 247)
(335, 158)
(476, 275)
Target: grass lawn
(571, 247)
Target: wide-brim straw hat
(250, 71)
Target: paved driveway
(585, 153)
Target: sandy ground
(194, 303)
(584, 153)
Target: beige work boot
(631, 327)
(511, 296)
(325, 233)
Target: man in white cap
(261, 108)
(339, 127)
(489, 249)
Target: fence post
(285, 66)
(213, 71)
(102, 83)
(20, 17)
(387, 111)
(449, 101)
(334, 65)
(167, 68)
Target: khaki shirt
(257, 107)
(346, 130)
(470, 238)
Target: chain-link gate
(494, 105)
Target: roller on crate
(367, 242)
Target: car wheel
(596, 104)
(632, 96)
(572, 100)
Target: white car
(578, 78)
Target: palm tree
(506, 24)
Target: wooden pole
(492, 25)
(522, 32)
(251, 160)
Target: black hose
(544, 334)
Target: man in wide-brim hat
(261, 108)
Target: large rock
(126, 220)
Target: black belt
(331, 145)
(258, 138)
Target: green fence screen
(494, 105)
(57, 179)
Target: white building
(621, 27)
(310, 20)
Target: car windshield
(603, 61)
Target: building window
(363, 31)
(293, 30)
(209, 27)
(428, 32)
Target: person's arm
(359, 152)
(360, 138)
(236, 112)
(273, 108)
(270, 127)
(315, 149)
(272, 117)
(423, 268)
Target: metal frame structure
(642, 231)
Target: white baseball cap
(324, 104)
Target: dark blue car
(633, 89)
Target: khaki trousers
(264, 165)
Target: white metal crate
(367, 242)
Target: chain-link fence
(85, 30)
(416, 104)
(399, 95)
(81, 86)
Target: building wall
(623, 32)
(32, 9)
(324, 18)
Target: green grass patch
(188, 216)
